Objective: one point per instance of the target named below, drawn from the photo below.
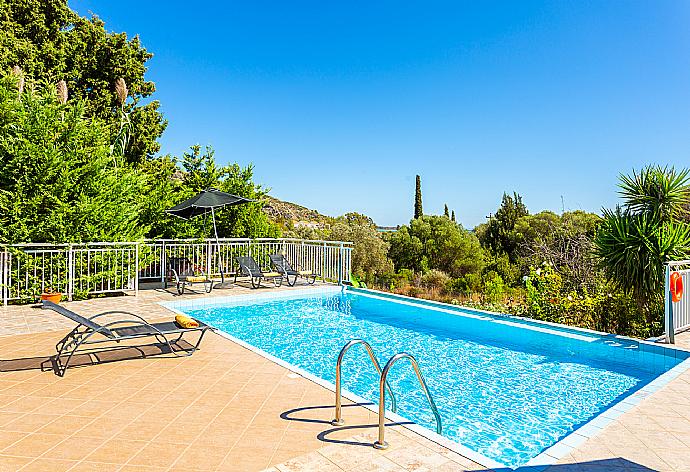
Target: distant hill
(284, 213)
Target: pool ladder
(383, 386)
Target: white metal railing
(78, 270)
(676, 314)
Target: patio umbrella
(206, 202)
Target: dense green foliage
(574, 268)
(57, 176)
(435, 242)
(78, 138)
(50, 42)
(418, 211)
(648, 230)
(61, 181)
(180, 179)
(369, 256)
(499, 234)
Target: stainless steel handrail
(338, 421)
(381, 442)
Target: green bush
(58, 179)
(604, 308)
(435, 279)
(494, 289)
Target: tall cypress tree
(418, 198)
(445, 211)
(452, 216)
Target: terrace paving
(227, 408)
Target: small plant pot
(54, 297)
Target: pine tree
(418, 198)
(452, 216)
(445, 211)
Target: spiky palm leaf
(660, 191)
(633, 248)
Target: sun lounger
(125, 327)
(283, 266)
(184, 273)
(249, 268)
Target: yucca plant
(661, 192)
(635, 241)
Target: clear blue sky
(339, 105)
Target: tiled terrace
(227, 408)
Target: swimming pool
(513, 391)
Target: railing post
(323, 263)
(5, 278)
(301, 259)
(162, 266)
(136, 269)
(70, 273)
(340, 263)
(208, 258)
(669, 329)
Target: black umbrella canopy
(205, 202)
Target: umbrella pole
(215, 231)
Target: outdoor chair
(185, 273)
(129, 326)
(249, 268)
(283, 266)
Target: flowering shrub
(602, 308)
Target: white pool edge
(543, 460)
(521, 321)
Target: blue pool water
(505, 389)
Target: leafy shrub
(435, 279)
(543, 286)
(603, 308)
(494, 289)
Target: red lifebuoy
(676, 287)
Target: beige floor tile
(86, 466)
(30, 422)
(75, 448)
(379, 464)
(48, 465)
(116, 451)
(66, 424)
(93, 408)
(12, 463)
(200, 456)
(158, 454)
(312, 462)
(33, 445)
(140, 468)
(61, 406)
(104, 427)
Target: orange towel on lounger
(186, 321)
(196, 278)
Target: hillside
(283, 212)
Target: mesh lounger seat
(281, 264)
(128, 327)
(185, 274)
(249, 268)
